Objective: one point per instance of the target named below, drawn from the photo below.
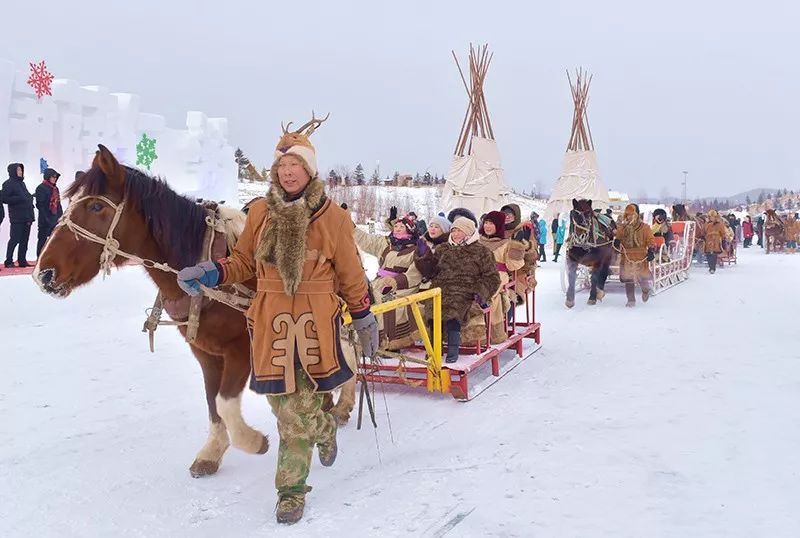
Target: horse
(774, 231)
(590, 243)
(118, 213)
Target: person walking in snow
(559, 236)
(300, 247)
(48, 204)
(714, 233)
(20, 214)
(542, 240)
(747, 231)
(634, 240)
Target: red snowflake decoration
(40, 79)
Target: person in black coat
(20, 214)
(48, 203)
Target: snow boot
(630, 291)
(453, 343)
(8, 264)
(328, 451)
(290, 508)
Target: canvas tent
(475, 179)
(580, 177)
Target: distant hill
(741, 198)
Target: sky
(707, 87)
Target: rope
(111, 249)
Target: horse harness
(214, 246)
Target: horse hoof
(264, 446)
(570, 304)
(201, 468)
(600, 294)
(591, 302)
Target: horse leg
(572, 275)
(209, 458)
(593, 290)
(229, 399)
(602, 276)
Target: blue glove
(367, 329)
(481, 302)
(651, 255)
(205, 273)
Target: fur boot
(630, 292)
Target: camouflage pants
(301, 424)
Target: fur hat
(465, 225)
(441, 222)
(462, 212)
(298, 143)
(498, 218)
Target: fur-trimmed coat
(634, 239)
(305, 259)
(397, 328)
(713, 234)
(424, 256)
(463, 272)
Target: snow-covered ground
(677, 418)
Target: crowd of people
(482, 265)
(47, 200)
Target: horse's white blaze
(242, 436)
(216, 444)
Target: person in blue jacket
(542, 239)
(561, 231)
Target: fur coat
(397, 269)
(463, 272)
(713, 234)
(635, 239)
(305, 259)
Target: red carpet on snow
(12, 271)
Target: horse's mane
(176, 223)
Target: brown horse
(143, 217)
(590, 243)
(774, 232)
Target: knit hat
(498, 218)
(50, 173)
(441, 222)
(409, 224)
(297, 143)
(462, 212)
(465, 225)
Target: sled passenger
(397, 277)
(662, 228)
(634, 239)
(300, 247)
(465, 271)
(438, 233)
(509, 257)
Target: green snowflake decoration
(146, 151)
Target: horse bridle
(581, 237)
(110, 245)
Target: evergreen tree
(359, 175)
(760, 199)
(241, 162)
(769, 196)
(265, 174)
(417, 179)
(375, 180)
(747, 200)
(333, 178)
(427, 179)
(396, 176)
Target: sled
(480, 365)
(669, 268)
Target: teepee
(475, 179)
(580, 177)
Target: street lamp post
(685, 176)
